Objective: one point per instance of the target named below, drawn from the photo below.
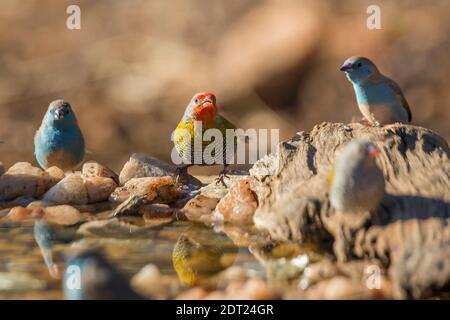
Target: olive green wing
(225, 123)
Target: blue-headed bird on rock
(59, 141)
(380, 99)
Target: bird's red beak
(373, 151)
(206, 111)
(207, 103)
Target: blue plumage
(379, 98)
(59, 141)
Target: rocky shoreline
(282, 202)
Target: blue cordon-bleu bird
(379, 98)
(59, 141)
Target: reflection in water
(89, 276)
(185, 253)
(199, 255)
(43, 236)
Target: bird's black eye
(359, 65)
(197, 100)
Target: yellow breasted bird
(202, 110)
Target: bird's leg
(370, 123)
(180, 171)
(222, 176)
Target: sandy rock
(239, 205)
(24, 168)
(152, 284)
(385, 242)
(94, 169)
(70, 190)
(156, 189)
(99, 188)
(78, 190)
(22, 179)
(418, 254)
(200, 209)
(52, 176)
(293, 202)
(412, 267)
(62, 215)
(140, 166)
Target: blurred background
(134, 65)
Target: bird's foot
(370, 123)
(221, 178)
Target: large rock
(294, 205)
(421, 271)
(234, 202)
(24, 180)
(78, 190)
(99, 188)
(239, 205)
(156, 189)
(69, 190)
(95, 169)
(141, 166)
(292, 189)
